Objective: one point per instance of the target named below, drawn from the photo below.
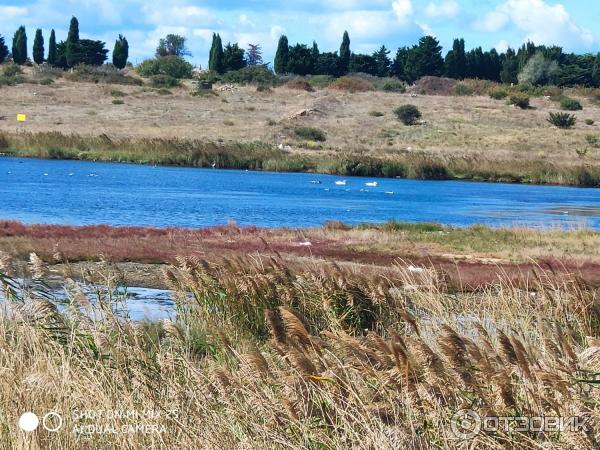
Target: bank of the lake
(262, 156)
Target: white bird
(341, 183)
(372, 184)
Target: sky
(488, 23)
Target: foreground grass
(262, 156)
(267, 355)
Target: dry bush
(300, 85)
(435, 86)
(352, 84)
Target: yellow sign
(21, 117)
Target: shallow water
(79, 192)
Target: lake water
(79, 192)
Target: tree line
(64, 54)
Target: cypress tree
(315, 54)
(3, 50)
(52, 49)
(72, 44)
(120, 52)
(19, 47)
(456, 60)
(595, 71)
(345, 54)
(215, 61)
(38, 47)
(282, 55)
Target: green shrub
(562, 120)
(117, 93)
(519, 99)
(463, 90)
(173, 66)
(163, 91)
(11, 70)
(320, 81)
(311, 134)
(259, 75)
(118, 102)
(394, 86)
(408, 114)
(589, 122)
(376, 114)
(498, 93)
(164, 81)
(570, 104)
(46, 81)
(106, 73)
(593, 140)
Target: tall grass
(265, 355)
(263, 156)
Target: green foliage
(300, 60)
(519, 99)
(3, 50)
(498, 93)
(38, 47)
(570, 104)
(173, 66)
(120, 52)
(233, 57)
(408, 114)
(254, 55)
(52, 49)
(118, 102)
(216, 61)
(456, 60)
(344, 60)
(352, 84)
(282, 55)
(539, 70)
(310, 134)
(11, 75)
(19, 47)
(589, 122)
(258, 75)
(172, 45)
(394, 86)
(376, 114)
(163, 81)
(463, 90)
(593, 140)
(106, 73)
(428, 57)
(562, 120)
(382, 62)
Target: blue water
(79, 192)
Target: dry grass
(266, 355)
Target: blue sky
(490, 23)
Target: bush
(118, 102)
(107, 73)
(320, 81)
(117, 93)
(352, 84)
(570, 104)
(376, 114)
(311, 134)
(11, 70)
(251, 75)
(164, 81)
(463, 90)
(173, 66)
(300, 85)
(519, 99)
(589, 122)
(562, 120)
(593, 140)
(46, 81)
(394, 86)
(498, 93)
(408, 114)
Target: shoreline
(259, 156)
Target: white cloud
(11, 12)
(276, 31)
(448, 9)
(501, 46)
(403, 10)
(538, 22)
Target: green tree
(429, 57)
(120, 52)
(539, 70)
(362, 64)
(314, 54)
(52, 48)
(72, 50)
(510, 67)
(233, 57)
(19, 47)
(345, 54)
(382, 62)
(399, 63)
(300, 60)
(3, 50)
(327, 63)
(456, 61)
(172, 45)
(254, 55)
(38, 47)
(595, 70)
(215, 61)
(282, 55)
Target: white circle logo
(52, 422)
(466, 424)
(28, 422)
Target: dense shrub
(589, 122)
(408, 114)
(173, 66)
(320, 81)
(519, 99)
(352, 84)
(251, 75)
(554, 92)
(570, 104)
(562, 120)
(164, 81)
(394, 86)
(463, 90)
(376, 114)
(498, 93)
(311, 134)
(107, 73)
(300, 85)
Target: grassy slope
(463, 137)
